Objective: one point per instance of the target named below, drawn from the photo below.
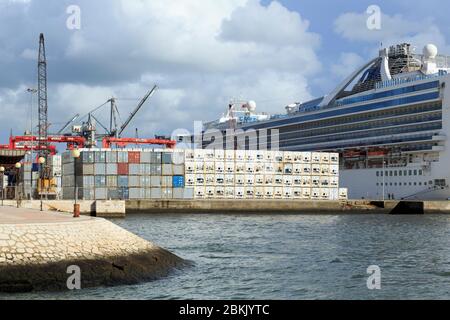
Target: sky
(201, 54)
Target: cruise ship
(389, 121)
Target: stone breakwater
(36, 256)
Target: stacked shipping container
(201, 174)
(125, 174)
(263, 175)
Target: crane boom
(42, 95)
(68, 124)
(136, 110)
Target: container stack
(125, 174)
(105, 174)
(239, 174)
(29, 175)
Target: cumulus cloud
(394, 29)
(201, 54)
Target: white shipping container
(315, 181)
(259, 193)
(229, 192)
(278, 180)
(219, 155)
(287, 192)
(249, 180)
(210, 167)
(229, 167)
(249, 192)
(259, 180)
(210, 179)
(287, 180)
(278, 192)
(229, 155)
(315, 193)
(220, 180)
(240, 180)
(316, 158)
(220, 167)
(229, 180)
(297, 193)
(220, 192)
(306, 193)
(210, 192)
(190, 167)
(334, 158)
(343, 194)
(190, 180)
(306, 157)
(189, 154)
(324, 194)
(240, 155)
(268, 192)
(200, 180)
(307, 181)
(199, 192)
(239, 192)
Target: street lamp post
(2, 172)
(76, 207)
(18, 166)
(41, 164)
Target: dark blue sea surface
(290, 257)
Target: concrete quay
(37, 248)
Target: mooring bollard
(76, 210)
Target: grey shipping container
(155, 169)
(134, 169)
(134, 181)
(87, 157)
(155, 158)
(113, 194)
(111, 157)
(122, 157)
(155, 181)
(101, 193)
(122, 181)
(111, 168)
(167, 158)
(156, 193)
(87, 169)
(167, 193)
(146, 157)
(167, 181)
(167, 170)
(137, 193)
(87, 193)
(100, 181)
(111, 181)
(100, 157)
(100, 169)
(178, 170)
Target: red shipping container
(134, 157)
(122, 169)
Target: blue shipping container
(35, 167)
(178, 181)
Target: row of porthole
(395, 184)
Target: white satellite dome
(251, 106)
(430, 51)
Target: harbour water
(290, 257)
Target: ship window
(390, 173)
(400, 173)
(420, 173)
(395, 173)
(415, 183)
(410, 172)
(420, 183)
(415, 172)
(406, 173)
